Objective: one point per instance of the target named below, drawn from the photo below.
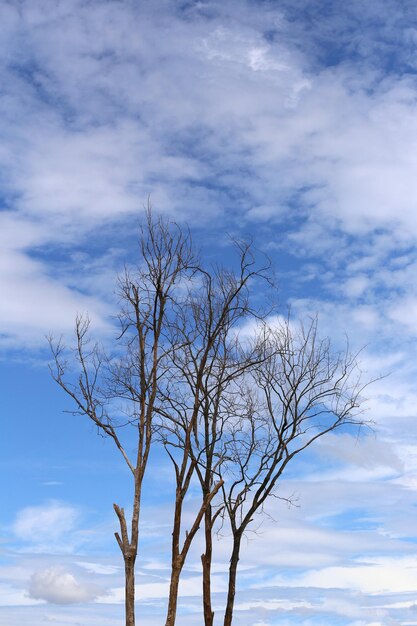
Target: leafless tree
(205, 363)
(119, 392)
(231, 412)
(298, 392)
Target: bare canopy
(119, 391)
(231, 408)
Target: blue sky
(292, 122)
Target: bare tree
(298, 392)
(206, 361)
(119, 392)
(231, 414)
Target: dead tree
(206, 362)
(119, 392)
(230, 414)
(298, 392)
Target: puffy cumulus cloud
(58, 586)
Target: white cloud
(377, 576)
(273, 605)
(101, 122)
(367, 451)
(52, 483)
(57, 586)
(356, 286)
(404, 312)
(99, 568)
(224, 126)
(38, 304)
(46, 525)
(10, 596)
(190, 586)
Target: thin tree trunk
(176, 562)
(130, 590)
(173, 595)
(129, 551)
(206, 560)
(179, 556)
(232, 580)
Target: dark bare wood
(300, 391)
(120, 392)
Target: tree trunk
(206, 559)
(232, 580)
(129, 551)
(179, 556)
(176, 561)
(173, 595)
(130, 590)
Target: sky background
(293, 122)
